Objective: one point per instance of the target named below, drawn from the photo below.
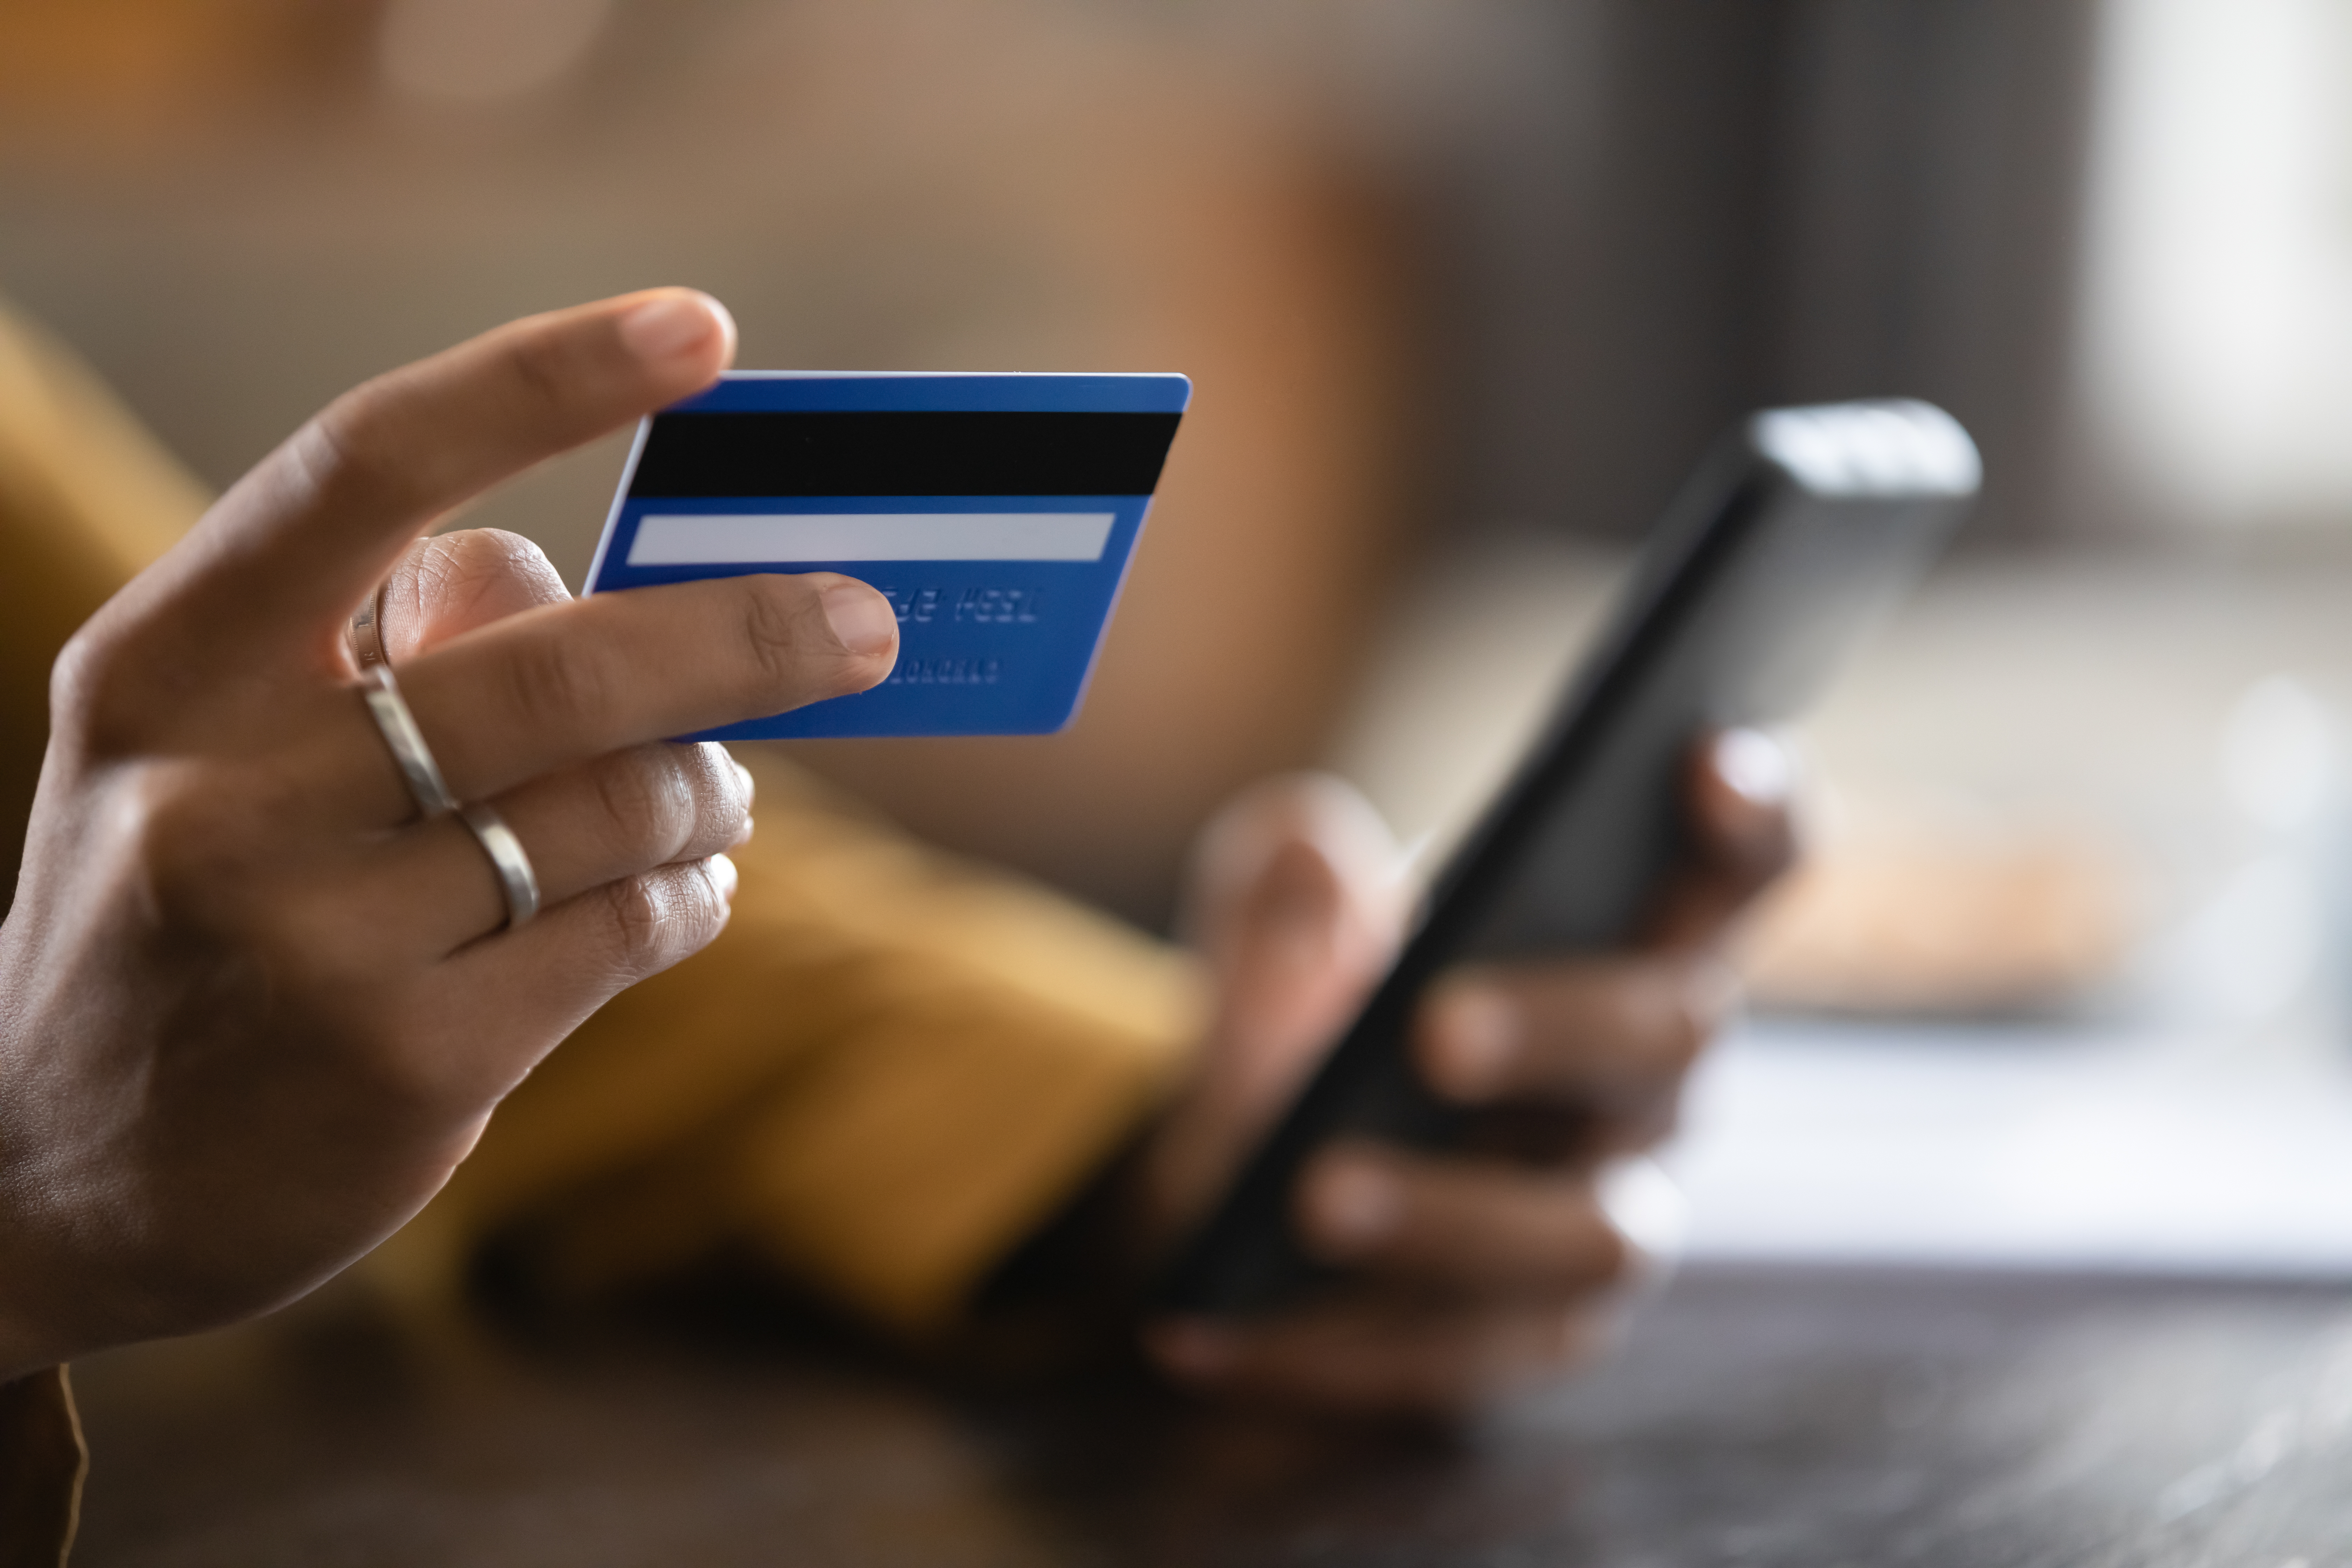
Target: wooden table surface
(1758, 1417)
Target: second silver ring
(516, 878)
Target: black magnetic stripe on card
(903, 454)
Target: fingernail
(1190, 1348)
(1476, 1029)
(1755, 764)
(1354, 1204)
(860, 617)
(743, 777)
(723, 876)
(673, 322)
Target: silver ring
(513, 867)
(406, 741)
(367, 629)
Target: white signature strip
(709, 539)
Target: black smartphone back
(1800, 530)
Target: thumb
(1295, 903)
(449, 583)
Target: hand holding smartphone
(1796, 534)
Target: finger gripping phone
(1799, 531)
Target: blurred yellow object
(86, 500)
(891, 1068)
(96, 80)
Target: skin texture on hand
(1466, 1273)
(252, 1010)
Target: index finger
(297, 543)
(558, 684)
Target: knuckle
(201, 854)
(785, 662)
(770, 628)
(349, 452)
(654, 920)
(191, 846)
(562, 679)
(94, 692)
(633, 922)
(543, 370)
(643, 805)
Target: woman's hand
(253, 1009)
(1465, 1273)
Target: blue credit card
(998, 513)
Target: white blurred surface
(2012, 1146)
(2217, 284)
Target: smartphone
(1798, 531)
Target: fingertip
(1649, 1212)
(724, 877)
(747, 792)
(1754, 765)
(729, 338)
(673, 328)
(861, 619)
(1746, 788)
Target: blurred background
(1466, 286)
